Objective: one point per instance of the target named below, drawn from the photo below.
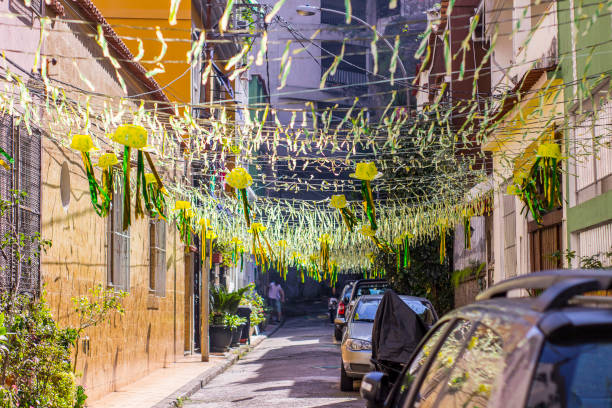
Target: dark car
(553, 350)
(340, 319)
(366, 287)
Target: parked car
(552, 350)
(366, 287)
(357, 339)
(341, 310)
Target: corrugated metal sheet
(596, 241)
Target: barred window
(157, 255)
(118, 245)
(25, 176)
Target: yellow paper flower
(325, 238)
(552, 150)
(150, 178)
(366, 172)
(367, 231)
(338, 201)
(282, 243)
(189, 213)
(239, 178)
(512, 189)
(82, 143)
(182, 205)
(131, 135)
(210, 234)
(107, 160)
(236, 240)
(203, 222)
(398, 240)
(257, 227)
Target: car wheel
(337, 333)
(346, 382)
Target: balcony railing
(343, 77)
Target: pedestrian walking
(276, 296)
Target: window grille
(157, 255)
(118, 245)
(24, 176)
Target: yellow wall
(138, 19)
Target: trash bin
(244, 311)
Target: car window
(423, 309)
(366, 310)
(475, 373)
(442, 364)
(376, 288)
(573, 374)
(417, 363)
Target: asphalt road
(297, 367)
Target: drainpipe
(575, 94)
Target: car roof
(404, 297)
(561, 305)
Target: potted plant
(235, 323)
(255, 302)
(223, 304)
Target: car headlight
(358, 345)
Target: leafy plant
(223, 303)
(253, 300)
(233, 321)
(95, 309)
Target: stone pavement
(162, 387)
(298, 367)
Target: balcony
(344, 77)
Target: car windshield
(573, 372)
(366, 310)
(423, 309)
(374, 288)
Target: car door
(464, 370)
(445, 331)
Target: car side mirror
(374, 388)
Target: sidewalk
(161, 388)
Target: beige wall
(151, 333)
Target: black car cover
(397, 330)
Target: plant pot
(220, 338)
(217, 257)
(236, 332)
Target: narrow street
(297, 367)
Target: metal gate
(24, 176)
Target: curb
(174, 400)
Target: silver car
(357, 339)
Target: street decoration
(429, 204)
(184, 215)
(367, 172)
(240, 179)
(339, 201)
(84, 144)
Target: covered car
(399, 326)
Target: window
(366, 310)
(118, 245)
(573, 374)
(417, 363)
(443, 362)
(24, 176)
(474, 376)
(157, 255)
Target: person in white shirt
(276, 296)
